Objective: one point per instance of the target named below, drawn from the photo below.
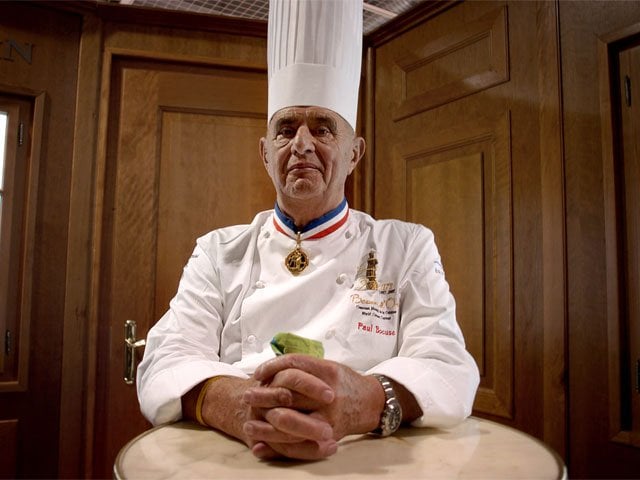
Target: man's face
(308, 153)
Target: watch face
(392, 417)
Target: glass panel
(3, 141)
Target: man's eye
(323, 131)
(287, 132)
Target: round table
(476, 448)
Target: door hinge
(627, 90)
(7, 342)
(20, 134)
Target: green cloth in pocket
(291, 343)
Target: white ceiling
(376, 12)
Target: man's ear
(359, 147)
(262, 145)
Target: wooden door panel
(461, 101)
(462, 190)
(182, 160)
(212, 185)
(446, 142)
(455, 63)
(446, 190)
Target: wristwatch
(391, 416)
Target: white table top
(476, 448)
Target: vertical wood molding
(75, 355)
(367, 178)
(553, 228)
(611, 238)
(96, 243)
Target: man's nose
(302, 142)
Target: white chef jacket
(236, 294)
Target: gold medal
(297, 260)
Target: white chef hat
(314, 53)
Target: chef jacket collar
(318, 228)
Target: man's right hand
(223, 408)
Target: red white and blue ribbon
(318, 228)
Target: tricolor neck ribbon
(318, 228)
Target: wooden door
(629, 187)
(182, 159)
(466, 143)
(601, 130)
(601, 68)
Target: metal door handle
(130, 345)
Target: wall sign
(12, 50)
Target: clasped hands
(300, 406)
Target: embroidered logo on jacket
(376, 301)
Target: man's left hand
(294, 387)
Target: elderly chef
(364, 300)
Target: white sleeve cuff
(444, 403)
(164, 404)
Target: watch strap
(391, 416)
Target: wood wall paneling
(445, 173)
(552, 182)
(523, 98)
(466, 60)
(462, 191)
(48, 77)
(597, 346)
(184, 119)
(9, 450)
(464, 134)
(441, 110)
(183, 156)
(75, 387)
